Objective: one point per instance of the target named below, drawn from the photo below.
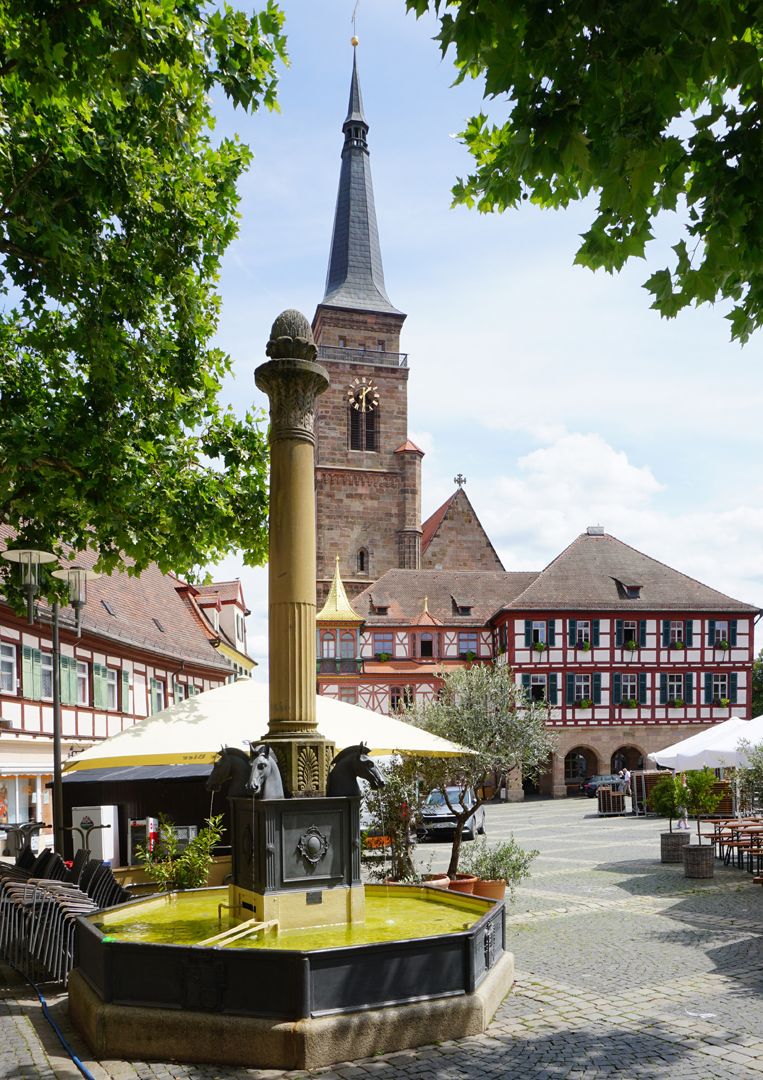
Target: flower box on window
(540, 646)
(584, 703)
(676, 703)
(725, 702)
(723, 644)
(585, 646)
(631, 645)
(382, 656)
(631, 703)
(677, 645)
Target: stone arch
(579, 762)
(627, 757)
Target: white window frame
(628, 683)
(721, 634)
(328, 645)
(583, 688)
(676, 687)
(178, 690)
(583, 634)
(46, 675)
(83, 682)
(542, 681)
(720, 687)
(677, 632)
(8, 668)
(158, 687)
(112, 689)
(540, 632)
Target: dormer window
(632, 592)
(461, 605)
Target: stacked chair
(39, 906)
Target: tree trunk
(455, 851)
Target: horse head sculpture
(348, 766)
(231, 765)
(264, 775)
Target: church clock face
(363, 394)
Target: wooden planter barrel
(672, 845)
(699, 861)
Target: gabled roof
(453, 538)
(355, 277)
(226, 591)
(591, 572)
(432, 523)
(404, 593)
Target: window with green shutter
(595, 623)
(665, 633)
(732, 632)
(642, 690)
(642, 632)
(31, 673)
(68, 680)
(619, 638)
(526, 683)
(709, 687)
(617, 693)
(100, 686)
(553, 693)
(733, 687)
(573, 632)
(124, 699)
(711, 632)
(663, 688)
(528, 633)
(570, 689)
(552, 631)
(688, 688)
(596, 688)
(689, 633)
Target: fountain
(295, 964)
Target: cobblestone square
(624, 968)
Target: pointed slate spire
(355, 276)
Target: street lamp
(30, 560)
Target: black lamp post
(30, 560)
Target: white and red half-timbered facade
(621, 648)
(145, 644)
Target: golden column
(292, 380)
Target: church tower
(367, 471)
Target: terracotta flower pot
(437, 881)
(493, 889)
(463, 883)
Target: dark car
(436, 816)
(590, 786)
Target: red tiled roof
(147, 614)
(433, 522)
(226, 590)
(409, 445)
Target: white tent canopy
(717, 747)
(193, 731)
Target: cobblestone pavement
(624, 968)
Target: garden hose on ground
(61, 1037)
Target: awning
(716, 747)
(192, 732)
(136, 772)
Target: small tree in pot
(699, 795)
(484, 710)
(391, 810)
(667, 798)
(502, 864)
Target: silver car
(436, 817)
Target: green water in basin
(392, 914)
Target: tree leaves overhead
(651, 107)
(116, 208)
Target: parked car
(436, 817)
(590, 786)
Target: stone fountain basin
(288, 983)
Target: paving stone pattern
(624, 968)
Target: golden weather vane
(354, 38)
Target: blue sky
(559, 394)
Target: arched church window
(362, 561)
(347, 645)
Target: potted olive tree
(496, 868)
(487, 712)
(667, 799)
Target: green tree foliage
(757, 685)
(170, 868)
(117, 205)
(701, 797)
(506, 862)
(392, 810)
(667, 797)
(483, 709)
(645, 108)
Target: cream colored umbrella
(193, 731)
